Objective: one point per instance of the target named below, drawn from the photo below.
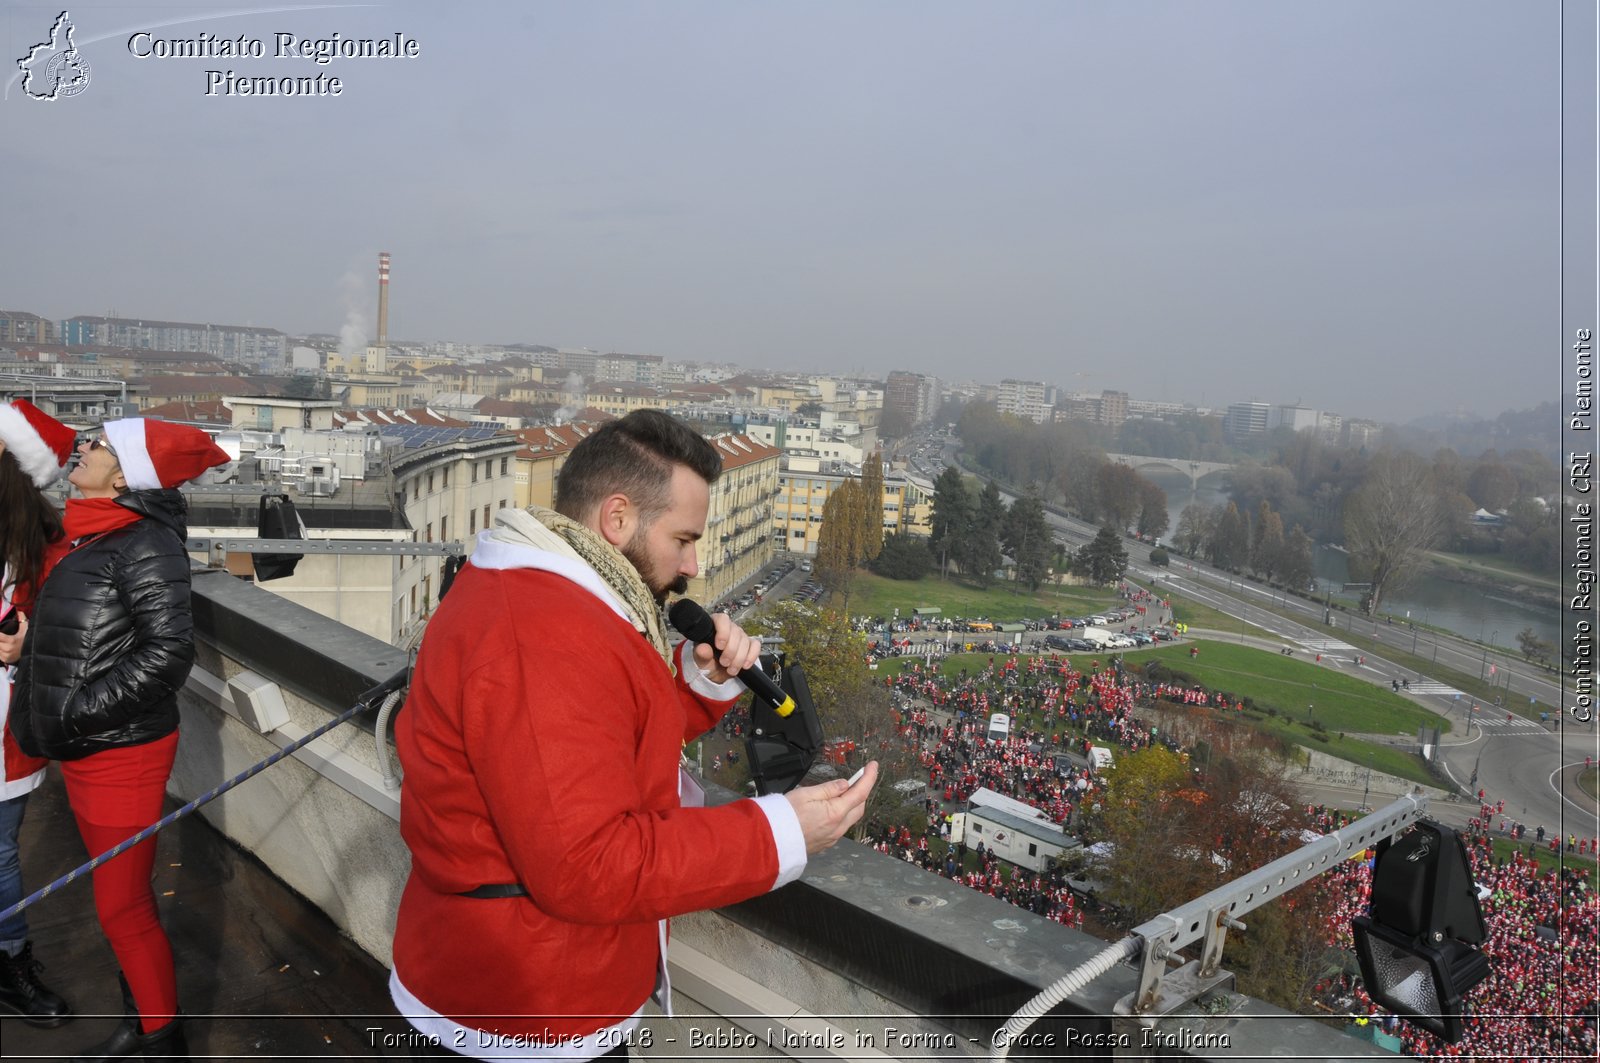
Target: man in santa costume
(552, 833)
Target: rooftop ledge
(866, 957)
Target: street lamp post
(1483, 671)
(1367, 792)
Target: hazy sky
(1351, 204)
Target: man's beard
(638, 556)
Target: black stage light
(1415, 945)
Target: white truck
(1097, 635)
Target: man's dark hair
(635, 457)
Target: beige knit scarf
(545, 529)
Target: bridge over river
(1194, 470)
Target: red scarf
(89, 517)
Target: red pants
(114, 795)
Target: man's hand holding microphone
(724, 650)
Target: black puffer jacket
(111, 639)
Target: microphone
(694, 624)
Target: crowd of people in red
(1043, 893)
(943, 720)
(1541, 997)
(1544, 927)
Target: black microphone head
(692, 622)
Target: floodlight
(1416, 943)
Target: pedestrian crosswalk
(1328, 646)
(1518, 725)
(1433, 686)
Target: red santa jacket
(541, 742)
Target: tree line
(974, 528)
(1387, 507)
(1229, 539)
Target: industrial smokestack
(383, 299)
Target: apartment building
(803, 489)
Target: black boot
(22, 992)
(127, 1042)
(167, 1043)
(122, 1044)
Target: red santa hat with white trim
(161, 454)
(41, 444)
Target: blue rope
(192, 806)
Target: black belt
(495, 892)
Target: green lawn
(1293, 685)
(1419, 664)
(873, 595)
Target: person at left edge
(34, 450)
(97, 689)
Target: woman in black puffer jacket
(110, 644)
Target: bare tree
(1230, 542)
(1391, 521)
(839, 545)
(1194, 528)
(1266, 548)
(1297, 568)
(1118, 489)
(872, 506)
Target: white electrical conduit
(380, 733)
(1060, 990)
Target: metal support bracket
(1177, 990)
(1207, 919)
(217, 547)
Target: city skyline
(1206, 205)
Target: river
(1485, 613)
(1469, 610)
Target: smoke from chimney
(574, 394)
(353, 333)
(383, 299)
